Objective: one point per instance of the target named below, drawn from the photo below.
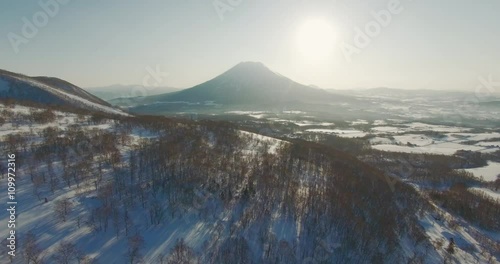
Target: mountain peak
(248, 83)
(250, 69)
(251, 65)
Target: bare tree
(451, 246)
(156, 212)
(161, 259)
(66, 253)
(31, 251)
(182, 254)
(497, 183)
(62, 208)
(37, 183)
(115, 214)
(135, 245)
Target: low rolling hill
(50, 91)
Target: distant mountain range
(49, 90)
(246, 86)
(402, 93)
(119, 91)
(491, 104)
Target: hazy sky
(428, 44)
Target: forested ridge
(248, 198)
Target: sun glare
(315, 39)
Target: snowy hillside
(158, 190)
(53, 91)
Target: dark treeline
(476, 207)
(430, 170)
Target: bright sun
(315, 39)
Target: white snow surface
(259, 140)
(449, 141)
(347, 133)
(488, 172)
(445, 148)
